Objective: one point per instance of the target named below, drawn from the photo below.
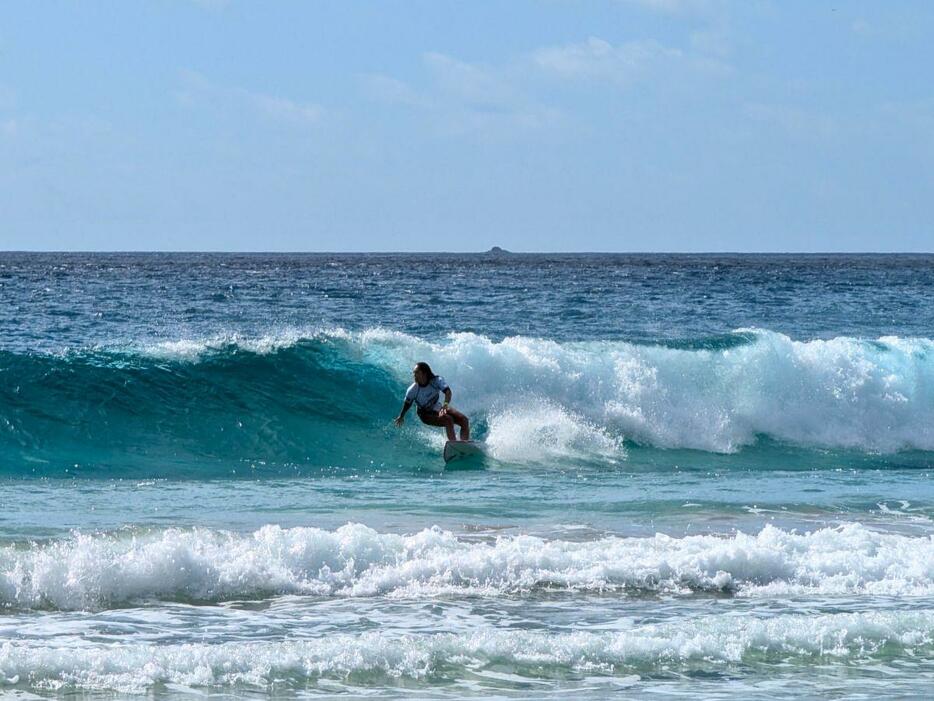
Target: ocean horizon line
(488, 253)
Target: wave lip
(109, 571)
(702, 643)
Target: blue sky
(625, 125)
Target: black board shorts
(431, 417)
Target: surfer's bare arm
(401, 417)
(447, 400)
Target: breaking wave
(326, 398)
(113, 570)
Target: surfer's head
(422, 373)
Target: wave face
(326, 398)
(286, 400)
(107, 571)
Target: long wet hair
(425, 368)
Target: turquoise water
(707, 476)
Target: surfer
(426, 393)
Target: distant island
(496, 250)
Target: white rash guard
(427, 398)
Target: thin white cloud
(282, 108)
(599, 60)
(473, 84)
(197, 88)
(386, 89)
(712, 18)
(465, 97)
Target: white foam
(586, 397)
(92, 571)
(711, 641)
(538, 431)
(844, 393)
(195, 349)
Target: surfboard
(460, 450)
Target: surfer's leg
(434, 420)
(448, 424)
(462, 421)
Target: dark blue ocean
(706, 476)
